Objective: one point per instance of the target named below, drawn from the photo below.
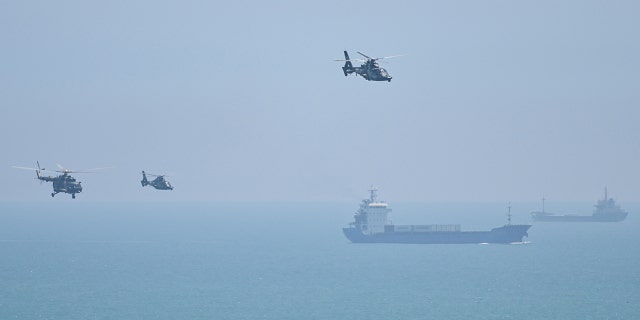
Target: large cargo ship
(605, 210)
(371, 225)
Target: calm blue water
(78, 260)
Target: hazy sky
(496, 100)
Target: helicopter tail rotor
(38, 171)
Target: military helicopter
(370, 69)
(159, 182)
(64, 183)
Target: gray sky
(237, 101)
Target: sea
(69, 259)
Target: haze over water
(291, 261)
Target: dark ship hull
(505, 234)
(575, 218)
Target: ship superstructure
(372, 225)
(372, 216)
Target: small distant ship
(605, 210)
(372, 226)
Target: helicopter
(64, 183)
(159, 182)
(370, 69)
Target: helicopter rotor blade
(34, 169)
(364, 55)
(157, 175)
(359, 60)
(96, 169)
(92, 170)
(389, 57)
(25, 168)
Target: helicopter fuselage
(370, 70)
(159, 182)
(372, 73)
(63, 183)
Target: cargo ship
(371, 225)
(606, 210)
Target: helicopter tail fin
(348, 67)
(144, 181)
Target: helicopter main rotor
(34, 169)
(369, 58)
(62, 169)
(380, 58)
(67, 171)
(156, 175)
(359, 60)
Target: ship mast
(543, 199)
(509, 214)
(373, 194)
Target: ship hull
(505, 234)
(571, 218)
